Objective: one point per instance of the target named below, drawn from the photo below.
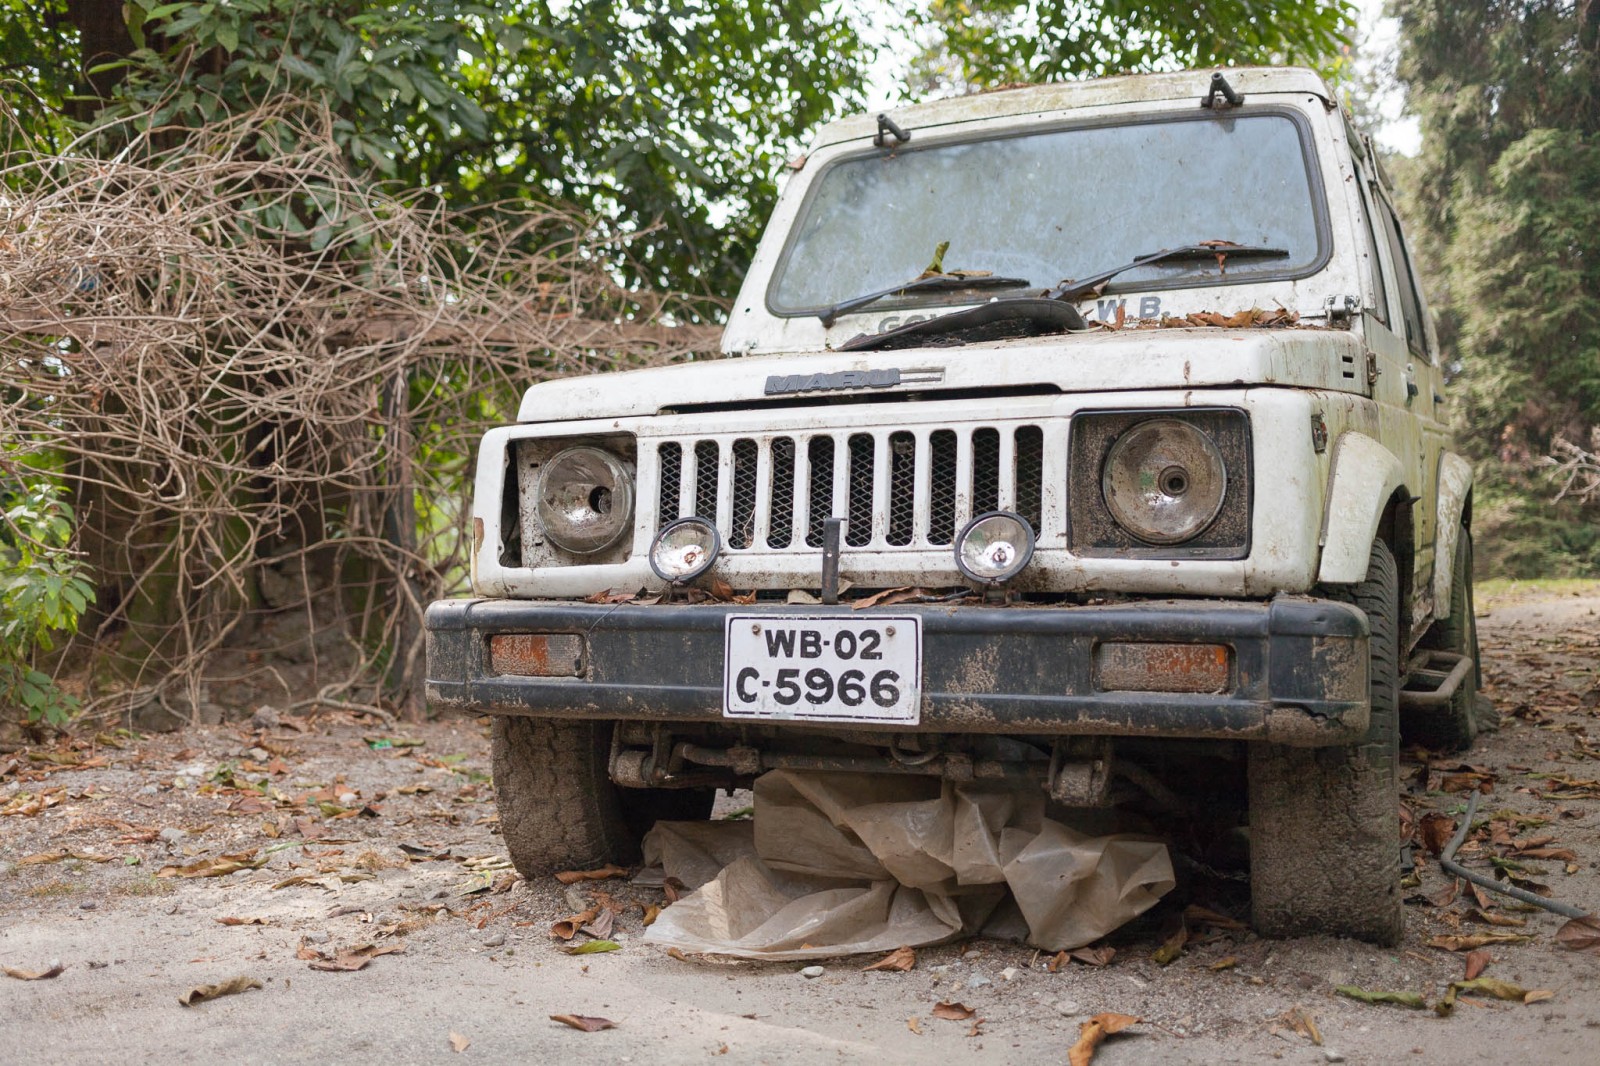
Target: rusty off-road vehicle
(1084, 436)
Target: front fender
(1365, 476)
(1455, 482)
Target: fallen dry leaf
(1100, 956)
(1301, 1021)
(1477, 962)
(651, 912)
(914, 1024)
(243, 921)
(601, 925)
(584, 1022)
(231, 987)
(459, 1042)
(356, 958)
(568, 927)
(1493, 918)
(977, 1027)
(1092, 1033)
(218, 866)
(951, 1011)
(55, 969)
(604, 873)
(594, 947)
(1476, 940)
(899, 960)
(1488, 986)
(1205, 916)
(1168, 952)
(1224, 964)
(1400, 999)
(1581, 934)
(1434, 831)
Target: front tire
(1324, 822)
(560, 810)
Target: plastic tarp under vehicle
(840, 863)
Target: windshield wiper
(1076, 290)
(925, 283)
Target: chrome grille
(895, 488)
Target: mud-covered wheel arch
(1324, 823)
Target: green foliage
(1505, 199)
(43, 592)
(985, 43)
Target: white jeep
(1084, 437)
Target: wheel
(1453, 726)
(1324, 822)
(560, 810)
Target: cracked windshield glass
(1092, 198)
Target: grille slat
(896, 488)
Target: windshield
(1057, 205)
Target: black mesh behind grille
(858, 528)
(780, 526)
(985, 471)
(670, 483)
(705, 480)
(744, 494)
(902, 488)
(820, 452)
(1030, 476)
(942, 487)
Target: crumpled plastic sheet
(844, 863)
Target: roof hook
(1219, 87)
(887, 127)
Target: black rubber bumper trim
(1300, 666)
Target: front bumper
(1299, 666)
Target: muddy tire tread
(1324, 823)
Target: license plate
(823, 669)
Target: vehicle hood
(1094, 361)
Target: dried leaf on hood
(952, 1011)
(899, 960)
(583, 1022)
(231, 987)
(1092, 1033)
(604, 873)
(55, 969)
(1581, 934)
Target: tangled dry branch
(262, 377)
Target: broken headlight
(1164, 481)
(584, 499)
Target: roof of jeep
(1188, 85)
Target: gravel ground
(396, 847)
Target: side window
(1410, 302)
(1369, 201)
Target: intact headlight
(584, 499)
(1164, 481)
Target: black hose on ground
(1447, 860)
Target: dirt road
(341, 838)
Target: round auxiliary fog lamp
(994, 548)
(684, 549)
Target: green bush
(43, 592)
